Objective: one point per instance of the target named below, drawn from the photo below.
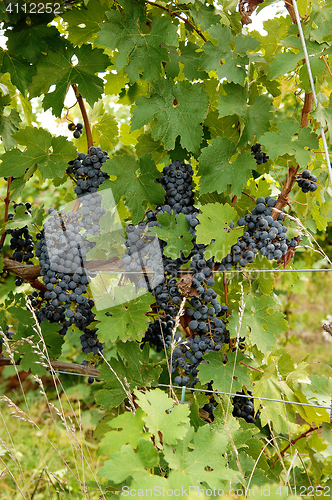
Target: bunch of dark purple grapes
(306, 181)
(77, 129)
(259, 156)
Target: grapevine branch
(308, 102)
(184, 19)
(84, 115)
(87, 126)
(293, 441)
(61, 365)
(282, 200)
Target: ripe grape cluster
(306, 181)
(159, 333)
(144, 250)
(244, 407)
(177, 182)
(21, 241)
(259, 156)
(77, 129)
(62, 248)
(262, 234)
(87, 170)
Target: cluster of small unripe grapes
(76, 129)
(262, 234)
(244, 407)
(306, 181)
(87, 170)
(259, 156)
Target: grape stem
(282, 200)
(225, 292)
(84, 115)
(293, 441)
(308, 101)
(184, 19)
(251, 367)
(7, 201)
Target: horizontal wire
(246, 396)
(213, 392)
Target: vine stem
(87, 125)
(293, 441)
(184, 19)
(225, 291)
(7, 201)
(283, 196)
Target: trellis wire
(306, 55)
(251, 397)
(183, 388)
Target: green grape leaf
(205, 463)
(29, 353)
(176, 234)
(285, 62)
(21, 72)
(216, 215)
(226, 126)
(145, 51)
(9, 124)
(218, 169)
(21, 219)
(323, 114)
(167, 428)
(146, 144)
(276, 29)
(261, 322)
(231, 50)
(190, 59)
(56, 68)
(49, 153)
(254, 117)
(179, 110)
(128, 320)
(221, 373)
(126, 463)
(83, 22)
(290, 140)
(280, 415)
(136, 180)
(105, 132)
(319, 23)
(205, 15)
(30, 39)
(126, 429)
(320, 388)
(115, 82)
(265, 280)
(132, 368)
